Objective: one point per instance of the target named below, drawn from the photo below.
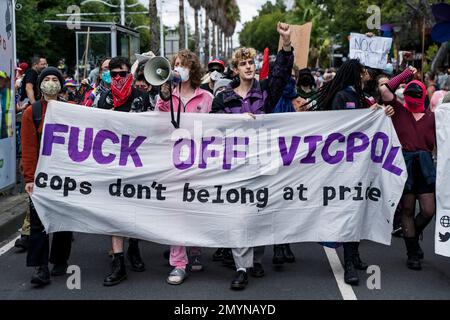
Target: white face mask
(216, 75)
(183, 72)
(50, 88)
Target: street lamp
(122, 7)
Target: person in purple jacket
(247, 95)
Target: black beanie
(50, 71)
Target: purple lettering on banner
(100, 138)
(352, 148)
(127, 150)
(385, 140)
(312, 142)
(50, 138)
(389, 162)
(288, 156)
(176, 155)
(205, 153)
(325, 151)
(230, 153)
(74, 153)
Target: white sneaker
(177, 276)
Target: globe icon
(445, 221)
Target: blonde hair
(242, 54)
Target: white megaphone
(158, 71)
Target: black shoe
(350, 274)
(228, 259)
(240, 280)
(413, 263)
(278, 254)
(22, 243)
(257, 271)
(218, 255)
(288, 254)
(41, 277)
(412, 247)
(358, 264)
(118, 272)
(59, 270)
(136, 263)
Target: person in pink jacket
(193, 99)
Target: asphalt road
(311, 277)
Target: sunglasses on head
(122, 74)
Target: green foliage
(36, 37)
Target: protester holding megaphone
(185, 96)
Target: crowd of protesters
(116, 85)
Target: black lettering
(359, 196)
(129, 191)
(117, 187)
(188, 194)
(301, 189)
(374, 194)
(159, 189)
(342, 191)
(143, 188)
(262, 196)
(56, 183)
(38, 179)
(288, 193)
(219, 193)
(327, 196)
(244, 193)
(203, 195)
(69, 185)
(233, 199)
(85, 188)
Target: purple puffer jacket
(263, 96)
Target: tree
(182, 29)
(196, 5)
(154, 32)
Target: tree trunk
(181, 27)
(197, 34)
(206, 49)
(213, 44)
(154, 23)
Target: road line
(8, 246)
(338, 271)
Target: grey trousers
(245, 257)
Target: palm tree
(182, 25)
(154, 34)
(208, 5)
(196, 5)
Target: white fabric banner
(371, 51)
(442, 243)
(220, 180)
(7, 101)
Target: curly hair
(242, 54)
(190, 60)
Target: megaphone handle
(179, 106)
(172, 115)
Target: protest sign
(300, 39)
(220, 180)
(370, 51)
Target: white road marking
(8, 246)
(338, 271)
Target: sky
(248, 8)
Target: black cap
(50, 71)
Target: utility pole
(161, 28)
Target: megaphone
(158, 71)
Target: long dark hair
(349, 74)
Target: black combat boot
(118, 272)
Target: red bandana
(121, 89)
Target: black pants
(350, 250)
(38, 251)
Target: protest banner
(220, 180)
(300, 39)
(7, 101)
(370, 51)
(442, 231)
